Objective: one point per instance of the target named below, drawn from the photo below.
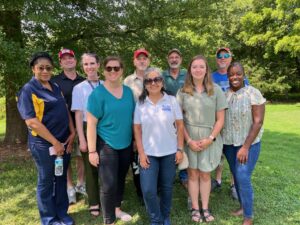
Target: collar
(181, 73)
(64, 77)
(163, 99)
(38, 84)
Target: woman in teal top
(109, 134)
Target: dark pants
(136, 173)
(51, 193)
(113, 167)
(91, 177)
(91, 180)
(160, 174)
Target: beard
(174, 66)
(222, 65)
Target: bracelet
(92, 152)
(212, 138)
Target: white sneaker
(71, 195)
(80, 189)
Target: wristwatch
(212, 137)
(179, 149)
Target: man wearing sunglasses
(141, 62)
(223, 60)
(66, 80)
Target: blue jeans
(52, 197)
(242, 175)
(160, 175)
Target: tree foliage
(263, 34)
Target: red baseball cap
(140, 51)
(65, 51)
(224, 49)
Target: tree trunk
(16, 132)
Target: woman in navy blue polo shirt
(42, 106)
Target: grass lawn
(276, 182)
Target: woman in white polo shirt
(158, 130)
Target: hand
(204, 143)
(69, 142)
(83, 145)
(59, 148)
(242, 155)
(94, 159)
(178, 157)
(194, 145)
(144, 161)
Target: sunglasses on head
(47, 68)
(112, 68)
(223, 55)
(155, 80)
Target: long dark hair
(145, 92)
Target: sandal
(206, 215)
(196, 216)
(94, 212)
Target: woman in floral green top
(241, 134)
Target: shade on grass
(276, 182)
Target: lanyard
(92, 84)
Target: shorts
(76, 151)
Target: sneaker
(214, 185)
(80, 189)
(234, 194)
(189, 203)
(71, 195)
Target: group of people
(148, 120)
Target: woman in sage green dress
(203, 104)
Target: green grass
(276, 182)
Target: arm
(43, 132)
(220, 117)
(71, 137)
(80, 130)
(258, 113)
(180, 140)
(144, 161)
(91, 134)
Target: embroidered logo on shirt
(166, 108)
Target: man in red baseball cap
(66, 80)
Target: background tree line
(263, 34)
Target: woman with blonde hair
(203, 104)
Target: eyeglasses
(47, 68)
(224, 55)
(155, 80)
(111, 68)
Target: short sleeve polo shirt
(115, 116)
(159, 136)
(173, 85)
(49, 107)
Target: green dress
(199, 115)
